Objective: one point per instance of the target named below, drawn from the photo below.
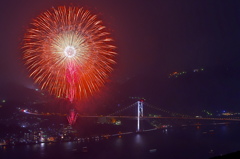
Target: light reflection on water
(225, 128)
(138, 139)
(198, 132)
(42, 145)
(165, 131)
(119, 142)
(42, 149)
(69, 145)
(139, 146)
(36, 147)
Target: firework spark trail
(68, 52)
(72, 117)
(71, 78)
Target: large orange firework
(68, 52)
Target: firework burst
(68, 52)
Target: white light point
(70, 51)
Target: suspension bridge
(139, 115)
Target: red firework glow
(72, 117)
(68, 52)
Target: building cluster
(105, 120)
(177, 74)
(221, 113)
(39, 135)
(22, 128)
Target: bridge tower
(140, 113)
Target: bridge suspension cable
(165, 111)
(123, 109)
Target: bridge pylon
(140, 113)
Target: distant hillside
(209, 89)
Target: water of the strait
(190, 142)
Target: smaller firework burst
(72, 117)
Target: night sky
(153, 38)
